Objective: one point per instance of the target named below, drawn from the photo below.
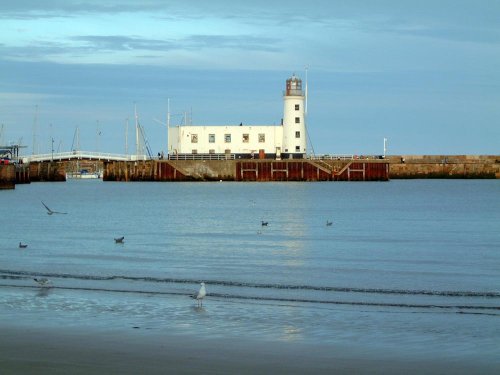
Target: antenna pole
(97, 134)
(126, 137)
(305, 109)
(136, 131)
(34, 130)
(168, 113)
(168, 123)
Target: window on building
(297, 148)
(194, 138)
(297, 107)
(297, 120)
(194, 152)
(246, 138)
(227, 138)
(211, 138)
(262, 138)
(297, 134)
(211, 151)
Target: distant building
(284, 141)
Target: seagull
(201, 294)
(42, 282)
(264, 223)
(50, 212)
(119, 239)
(329, 223)
(22, 246)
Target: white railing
(343, 157)
(331, 157)
(202, 157)
(88, 155)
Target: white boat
(84, 174)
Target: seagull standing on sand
(43, 281)
(50, 212)
(201, 294)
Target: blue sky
(423, 74)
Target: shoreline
(82, 350)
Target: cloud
(451, 33)
(193, 42)
(35, 9)
(243, 42)
(93, 43)
(85, 45)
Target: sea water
(407, 267)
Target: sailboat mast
(126, 136)
(136, 132)
(168, 123)
(34, 130)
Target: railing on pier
(344, 157)
(79, 155)
(202, 157)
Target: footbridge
(81, 155)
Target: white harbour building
(285, 141)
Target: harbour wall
(444, 166)
(47, 171)
(247, 170)
(7, 176)
(362, 169)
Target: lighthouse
(288, 140)
(294, 127)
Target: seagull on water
(42, 281)
(264, 223)
(50, 212)
(22, 246)
(119, 239)
(201, 294)
(329, 223)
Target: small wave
(469, 309)
(226, 283)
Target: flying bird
(50, 212)
(42, 281)
(201, 294)
(119, 239)
(22, 246)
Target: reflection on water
(43, 292)
(199, 309)
(291, 333)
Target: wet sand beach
(28, 350)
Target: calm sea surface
(406, 267)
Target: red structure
(305, 170)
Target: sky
(423, 74)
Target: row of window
(228, 151)
(227, 138)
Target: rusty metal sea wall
(246, 170)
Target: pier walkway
(81, 155)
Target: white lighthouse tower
(294, 127)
